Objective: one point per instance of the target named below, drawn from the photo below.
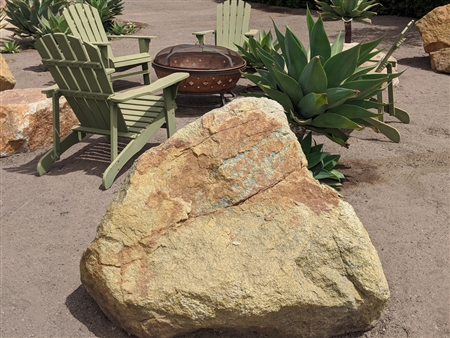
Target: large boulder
(223, 227)
(26, 120)
(434, 29)
(7, 80)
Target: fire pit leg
(222, 96)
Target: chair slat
(232, 23)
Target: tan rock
(222, 226)
(434, 29)
(7, 80)
(26, 120)
(440, 60)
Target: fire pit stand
(213, 69)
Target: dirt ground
(399, 191)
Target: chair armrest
(49, 91)
(251, 33)
(144, 41)
(201, 35)
(131, 37)
(156, 86)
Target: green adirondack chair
(388, 64)
(233, 18)
(81, 77)
(84, 22)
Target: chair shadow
(91, 157)
(84, 308)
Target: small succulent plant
(347, 11)
(10, 47)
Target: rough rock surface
(440, 60)
(7, 80)
(223, 227)
(26, 120)
(434, 29)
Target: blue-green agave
(347, 11)
(324, 88)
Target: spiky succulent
(250, 51)
(347, 10)
(324, 89)
(108, 10)
(26, 15)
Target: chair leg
(147, 74)
(52, 156)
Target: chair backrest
(233, 18)
(84, 22)
(78, 70)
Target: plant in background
(131, 27)
(2, 17)
(347, 11)
(55, 24)
(250, 52)
(26, 15)
(325, 89)
(118, 29)
(10, 47)
(108, 10)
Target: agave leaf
(295, 55)
(359, 72)
(367, 14)
(309, 22)
(365, 5)
(323, 6)
(278, 96)
(342, 65)
(256, 79)
(367, 48)
(365, 20)
(369, 104)
(315, 158)
(317, 147)
(306, 143)
(330, 120)
(299, 121)
(313, 77)
(338, 44)
(319, 43)
(352, 111)
(289, 86)
(366, 87)
(349, 5)
(333, 134)
(268, 77)
(338, 10)
(388, 131)
(338, 95)
(312, 104)
(280, 38)
(329, 17)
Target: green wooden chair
(81, 77)
(389, 64)
(84, 22)
(233, 18)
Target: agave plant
(108, 10)
(26, 15)
(324, 89)
(347, 11)
(55, 24)
(250, 51)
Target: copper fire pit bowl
(213, 69)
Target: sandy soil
(400, 191)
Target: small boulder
(434, 29)
(223, 227)
(26, 120)
(440, 60)
(7, 80)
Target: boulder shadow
(84, 308)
